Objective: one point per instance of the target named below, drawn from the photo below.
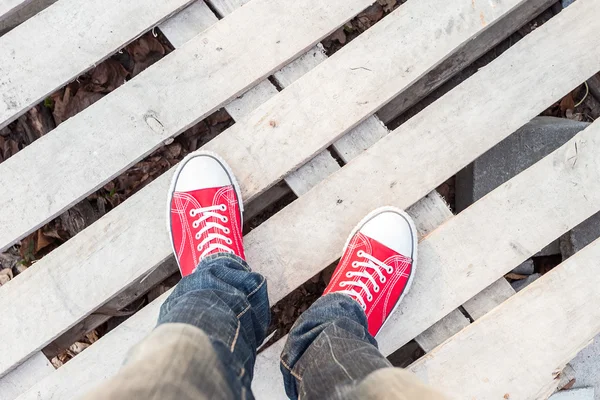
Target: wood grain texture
(90, 31)
(488, 360)
(470, 52)
(26, 375)
(156, 105)
(490, 297)
(185, 26)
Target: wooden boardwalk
(224, 60)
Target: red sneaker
(204, 213)
(378, 264)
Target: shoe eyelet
(195, 224)
(364, 308)
(376, 289)
(224, 219)
(342, 284)
(348, 275)
(370, 298)
(198, 248)
(355, 264)
(223, 207)
(226, 230)
(229, 241)
(197, 236)
(389, 271)
(360, 253)
(192, 213)
(382, 279)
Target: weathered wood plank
(470, 52)
(26, 375)
(490, 297)
(90, 32)
(184, 27)
(17, 16)
(445, 328)
(161, 102)
(488, 361)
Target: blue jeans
(204, 346)
(329, 346)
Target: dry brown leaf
(107, 76)
(567, 103)
(42, 241)
(145, 51)
(369, 17)
(78, 347)
(388, 5)
(339, 35)
(515, 277)
(92, 336)
(67, 105)
(56, 362)
(5, 276)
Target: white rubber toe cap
(200, 172)
(392, 229)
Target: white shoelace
(376, 266)
(205, 214)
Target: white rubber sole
(180, 166)
(415, 243)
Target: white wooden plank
(33, 370)
(488, 360)
(442, 330)
(490, 297)
(187, 23)
(311, 173)
(358, 139)
(16, 17)
(161, 102)
(182, 28)
(90, 31)
(469, 53)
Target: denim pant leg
(229, 303)
(329, 350)
(204, 346)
